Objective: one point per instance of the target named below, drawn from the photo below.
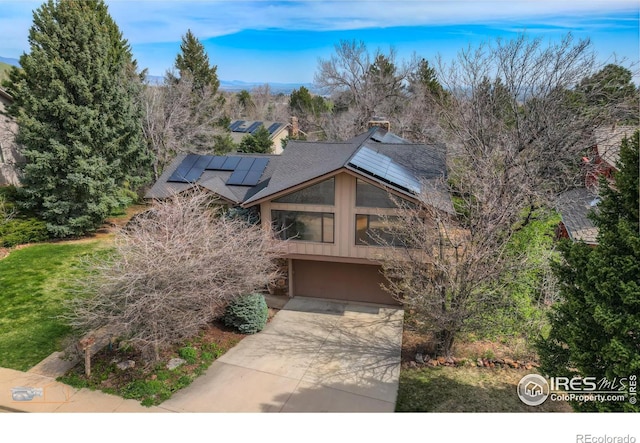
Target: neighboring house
(325, 198)
(278, 131)
(9, 156)
(573, 206)
(606, 152)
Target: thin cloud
(153, 21)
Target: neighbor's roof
(5, 95)
(240, 128)
(573, 206)
(608, 142)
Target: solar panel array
(239, 126)
(246, 171)
(383, 168)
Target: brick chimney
(294, 130)
(380, 122)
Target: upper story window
(373, 230)
(322, 193)
(305, 226)
(369, 196)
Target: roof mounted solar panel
(382, 167)
(216, 162)
(260, 164)
(274, 127)
(198, 168)
(179, 175)
(236, 125)
(252, 178)
(230, 164)
(254, 127)
(237, 177)
(245, 163)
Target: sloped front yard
(34, 282)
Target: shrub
(18, 231)
(247, 313)
(189, 354)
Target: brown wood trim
(331, 258)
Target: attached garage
(340, 281)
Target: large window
(369, 196)
(305, 226)
(322, 193)
(372, 230)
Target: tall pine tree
(595, 329)
(76, 104)
(194, 61)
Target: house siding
(344, 211)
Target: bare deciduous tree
(177, 121)
(446, 264)
(363, 84)
(515, 139)
(175, 268)
(514, 101)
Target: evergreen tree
(76, 105)
(425, 77)
(194, 61)
(595, 329)
(259, 142)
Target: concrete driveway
(314, 356)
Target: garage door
(341, 281)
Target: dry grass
(465, 389)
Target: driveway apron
(314, 356)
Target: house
(605, 153)
(9, 156)
(573, 206)
(326, 198)
(278, 131)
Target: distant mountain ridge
(225, 85)
(10, 61)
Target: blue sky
(281, 41)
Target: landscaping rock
(175, 363)
(124, 365)
(441, 360)
(450, 361)
(413, 364)
(432, 362)
(419, 358)
(479, 363)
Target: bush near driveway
(248, 313)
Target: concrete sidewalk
(314, 356)
(58, 397)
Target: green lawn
(465, 389)
(34, 281)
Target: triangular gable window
(322, 193)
